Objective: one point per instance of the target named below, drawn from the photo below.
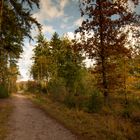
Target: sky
(61, 16)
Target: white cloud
(131, 5)
(34, 32)
(48, 29)
(63, 3)
(71, 35)
(78, 22)
(25, 62)
(49, 9)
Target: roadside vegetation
(5, 111)
(108, 123)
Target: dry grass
(5, 111)
(108, 124)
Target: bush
(69, 101)
(3, 92)
(86, 85)
(95, 102)
(36, 87)
(31, 86)
(44, 90)
(57, 89)
(127, 111)
(137, 85)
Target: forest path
(30, 123)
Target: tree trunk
(1, 12)
(103, 59)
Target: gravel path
(30, 123)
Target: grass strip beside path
(5, 112)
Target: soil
(27, 122)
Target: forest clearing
(69, 69)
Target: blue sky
(61, 16)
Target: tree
(70, 63)
(67, 61)
(56, 52)
(103, 36)
(55, 60)
(16, 23)
(40, 70)
(135, 67)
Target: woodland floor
(27, 122)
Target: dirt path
(29, 123)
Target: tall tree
(70, 63)
(56, 46)
(16, 22)
(103, 34)
(40, 69)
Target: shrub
(127, 111)
(137, 85)
(57, 89)
(44, 90)
(69, 101)
(36, 87)
(3, 91)
(32, 86)
(95, 102)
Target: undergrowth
(109, 123)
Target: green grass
(108, 124)
(5, 111)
